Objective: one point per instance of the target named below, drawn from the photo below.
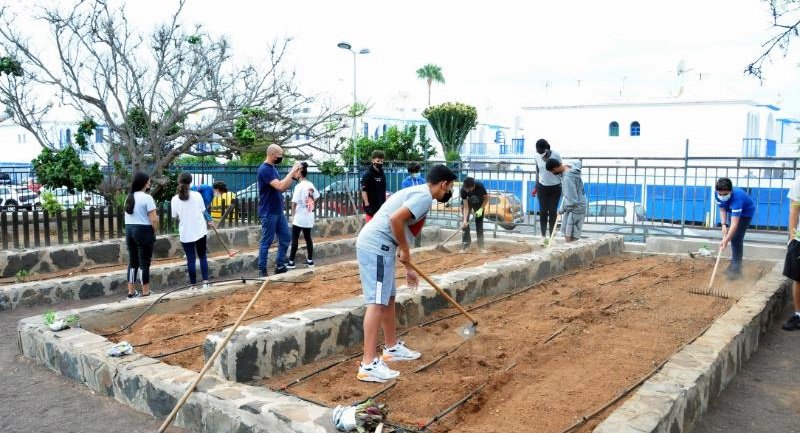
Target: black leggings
(140, 240)
(296, 237)
(548, 206)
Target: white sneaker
(309, 263)
(399, 353)
(206, 285)
(376, 371)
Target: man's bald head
(274, 154)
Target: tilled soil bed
(177, 338)
(547, 356)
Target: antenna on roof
(681, 70)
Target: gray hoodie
(573, 196)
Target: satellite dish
(681, 70)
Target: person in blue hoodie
(413, 178)
(573, 197)
(736, 204)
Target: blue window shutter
(636, 129)
(772, 148)
(613, 129)
(366, 129)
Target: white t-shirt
(143, 204)
(193, 225)
(377, 236)
(545, 177)
(303, 216)
(794, 196)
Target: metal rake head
(711, 292)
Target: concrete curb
(82, 286)
(675, 398)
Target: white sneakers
(399, 353)
(378, 371)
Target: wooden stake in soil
(211, 360)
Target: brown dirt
(103, 269)
(572, 344)
(159, 334)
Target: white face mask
(724, 198)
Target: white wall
(18, 145)
(713, 128)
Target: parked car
(69, 199)
(5, 179)
(504, 208)
(639, 233)
(13, 197)
(615, 212)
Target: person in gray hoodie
(573, 199)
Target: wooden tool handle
(214, 227)
(714, 272)
(443, 293)
(553, 233)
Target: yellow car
(504, 208)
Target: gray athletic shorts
(377, 276)
(572, 224)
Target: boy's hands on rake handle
(412, 280)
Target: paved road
(35, 399)
(765, 396)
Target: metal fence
(637, 197)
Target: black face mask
(446, 197)
(278, 160)
(378, 167)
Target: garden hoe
(553, 233)
(709, 291)
(222, 241)
(213, 358)
(466, 331)
(443, 249)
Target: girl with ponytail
(141, 224)
(193, 222)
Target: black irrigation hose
(463, 400)
(149, 307)
(432, 321)
(185, 349)
(628, 390)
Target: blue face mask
(724, 198)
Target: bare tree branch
(786, 19)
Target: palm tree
(430, 73)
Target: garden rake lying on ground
(709, 291)
(466, 331)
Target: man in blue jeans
(736, 203)
(270, 208)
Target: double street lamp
(348, 47)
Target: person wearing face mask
(733, 202)
(270, 208)
(474, 200)
(383, 240)
(547, 189)
(141, 224)
(413, 178)
(373, 185)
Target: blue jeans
(737, 242)
(190, 248)
(271, 225)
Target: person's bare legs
(796, 295)
(372, 323)
(146, 289)
(389, 325)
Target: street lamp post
(348, 47)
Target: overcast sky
(500, 55)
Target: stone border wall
(85, 286)
(153, 387)
(675, 398)
(113, 251)
(275, 346)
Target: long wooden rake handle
(211, 360)
(555, 228)
(444, 294)
(714, 272)
(213, 226)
